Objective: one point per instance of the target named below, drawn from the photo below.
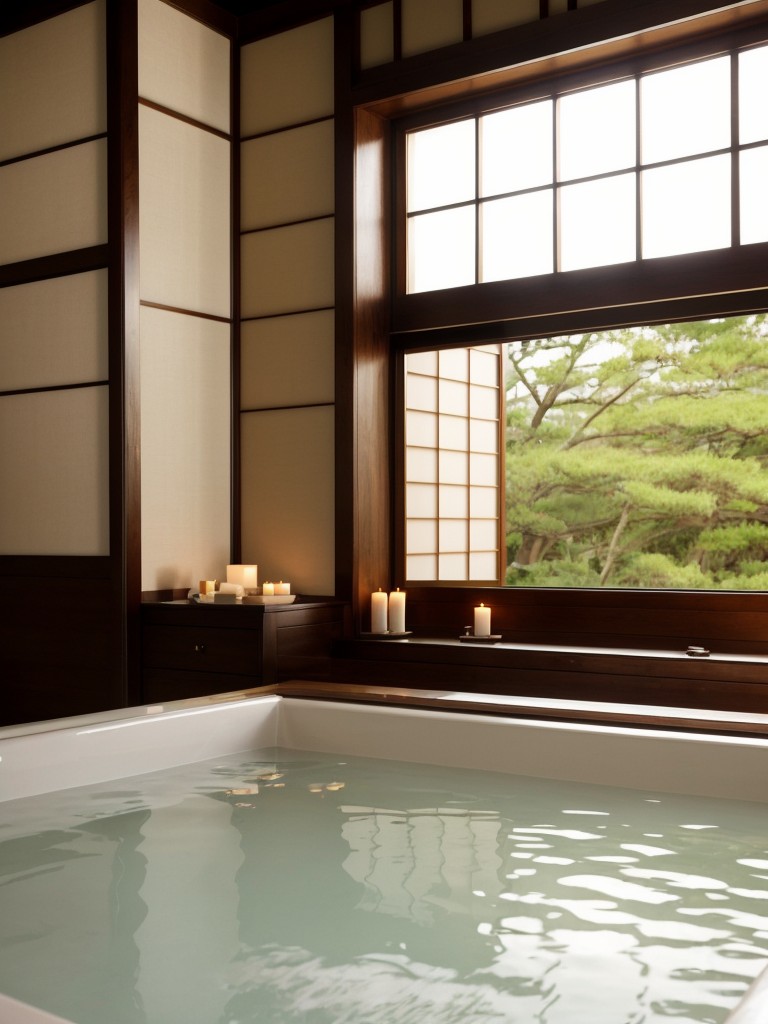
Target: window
(659, 164)
(606, 230)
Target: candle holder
(387, 636)
(470, 638)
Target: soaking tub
(57, 756)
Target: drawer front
(163, 684)
(196, 649)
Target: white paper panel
(183, 64)
(494, 15)
(54, 332)
(287, 360)
(185, 448)
(184, 190)
(288, 497)
(287, 176)
(287, 79)
(53, 82)
(288, 269)
(376, 38)
(430, 24)
(54, 467)
(54, 203)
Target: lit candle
(397, 611)
(482, 621)
(245, 575)
(379, 612)
(268, 590)
(282, 588)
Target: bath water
(284, 887)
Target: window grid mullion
(735, 156)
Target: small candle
(282, 588)
(379, 612)
(268, 590)
(397, 611)
(232, 588)
(482, 621)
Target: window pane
(421, 567)
(453, 432)
(422, 362)
(421, 428)
(753, 89)
(421, 465)
(754, 207)
(483, 469)
(421, 501)
(453, 567)
(687, 207)
(483, 436)
(484, 402)
(453, 468)
(686, 110)
(422, 536)
(453, 535)
(441, 249)
(517, 237)
(483, 535)
(441, 165)
(453, 502)
(454, 362)
(516, 149)
(483, 502)
(484, 367)
(482, 565)
(421, 392)
(596, 131)
(454, 397)
(597, 222)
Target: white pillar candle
(268, 590)
(282, 588)
(397, 611)
(482, 621)
(379, 612)
(232, 588)
(245, 575)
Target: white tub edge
(101, 749)
(698, 764)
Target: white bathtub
(100, 748)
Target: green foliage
(639, 457)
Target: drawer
(203, 649)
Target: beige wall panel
(184, 189)
(288, 269)
(430, 24)
(287, 360)
(54, 467)
(54, 332)
(183, 65)
(54, 203)
(287, 79)
(494, 15)
(288, 497)
(53, 82)
(185, 449)
(376, 35)
(287, 176)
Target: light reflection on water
(299, 889)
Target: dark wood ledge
(722, 682)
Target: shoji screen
(287, 296)
(184, 194)
(54, 492)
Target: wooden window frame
(373, 333)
